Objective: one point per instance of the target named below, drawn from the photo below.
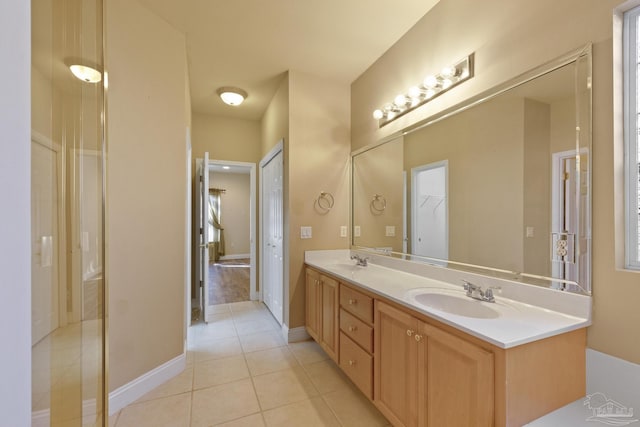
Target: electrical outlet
(356, 231)
(530, 231)
(390, 231)
(343, 231)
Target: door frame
(253, 290)
(277, 149)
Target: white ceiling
(252, 43)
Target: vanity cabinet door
(312, 303)
(329, 306)
(455, 382)
(395, 361)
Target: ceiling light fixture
(232, 95)
(85, 73)
(431, 87)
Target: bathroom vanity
(426, 354)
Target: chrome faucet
(476, 292)
(361, 261)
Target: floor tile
(215, 330)
(179, 384)
(271, 360)
(219, 371)
(219, 308)
(254, 420)
(283, 387)
(326, 376)
(172, 411)
(246, 305)
(308, 351)
(223, 403)
(216, 349)
(261, 341)
(254, 326)
(353, 409)
(308, 413)
(113, 419)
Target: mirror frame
(582, 53)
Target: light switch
(305, 232)
(356, 231)
(343, 231)
(390, 231)
(530, 231)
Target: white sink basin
(453, 302)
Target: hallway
(240, 372)
(229, 281)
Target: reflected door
(45, 235)
(271, 170)
(430, 228)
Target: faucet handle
(488, 294)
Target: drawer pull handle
(418, 337)
(409, 332)
(353, 328)
(353, 301)
(352, 362)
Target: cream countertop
(523, 313)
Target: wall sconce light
(232, 95)
(431, 87)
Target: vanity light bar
(432, 86)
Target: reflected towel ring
(378, 203)
(325, 201)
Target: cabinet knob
(418, 337)
(352, 362)
(410, 332)
(353, 301)
(353, 328)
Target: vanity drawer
(356, 303)
(357, 364)
(357, 330)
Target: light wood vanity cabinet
(322, 310)
(422, 373)
(427, 377)
(356, 338)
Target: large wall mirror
(499, 184)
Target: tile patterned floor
(241, 373)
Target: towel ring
(378, 203)
(325, 201)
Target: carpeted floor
(229, 281)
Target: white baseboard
(254, 295)
(236, 256)
(137, 388)
(295, 334)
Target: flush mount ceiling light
(232, 95)
(432, 86)
(85, 73)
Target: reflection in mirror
(500, 183)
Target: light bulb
(449, 71)
(400, 101)
(429, 93)
(388, 107)
(378, 114)
(430, 81)
(446, 83)
(415, 92)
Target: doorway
(429, 202)
(226, 251)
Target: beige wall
(146, 195)
(235, 214)
(379, 171)
(225, 138)
(274, 125)
(484, 176)
(509, 38)
(317, 160)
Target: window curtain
(216, 232)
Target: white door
(201, 299)
(568, 262)
(429, 218)
(271, 202)
(44, 244)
